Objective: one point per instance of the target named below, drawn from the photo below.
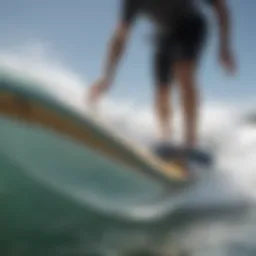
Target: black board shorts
(181, 30)
(184, 42)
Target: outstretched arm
(119, 38)
(115, 50)
(222, 14)
(223, 18)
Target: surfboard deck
(18, 99)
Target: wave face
(59, 215)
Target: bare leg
(186, 78)
(163, 110)
(164, 116)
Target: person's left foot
(167, 151)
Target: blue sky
(77, 33)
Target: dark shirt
(162, 12)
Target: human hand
(227, 59)
(97, 89)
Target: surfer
(180, 35)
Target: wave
(224, 128)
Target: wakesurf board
(20, 100)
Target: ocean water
(52, 212)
